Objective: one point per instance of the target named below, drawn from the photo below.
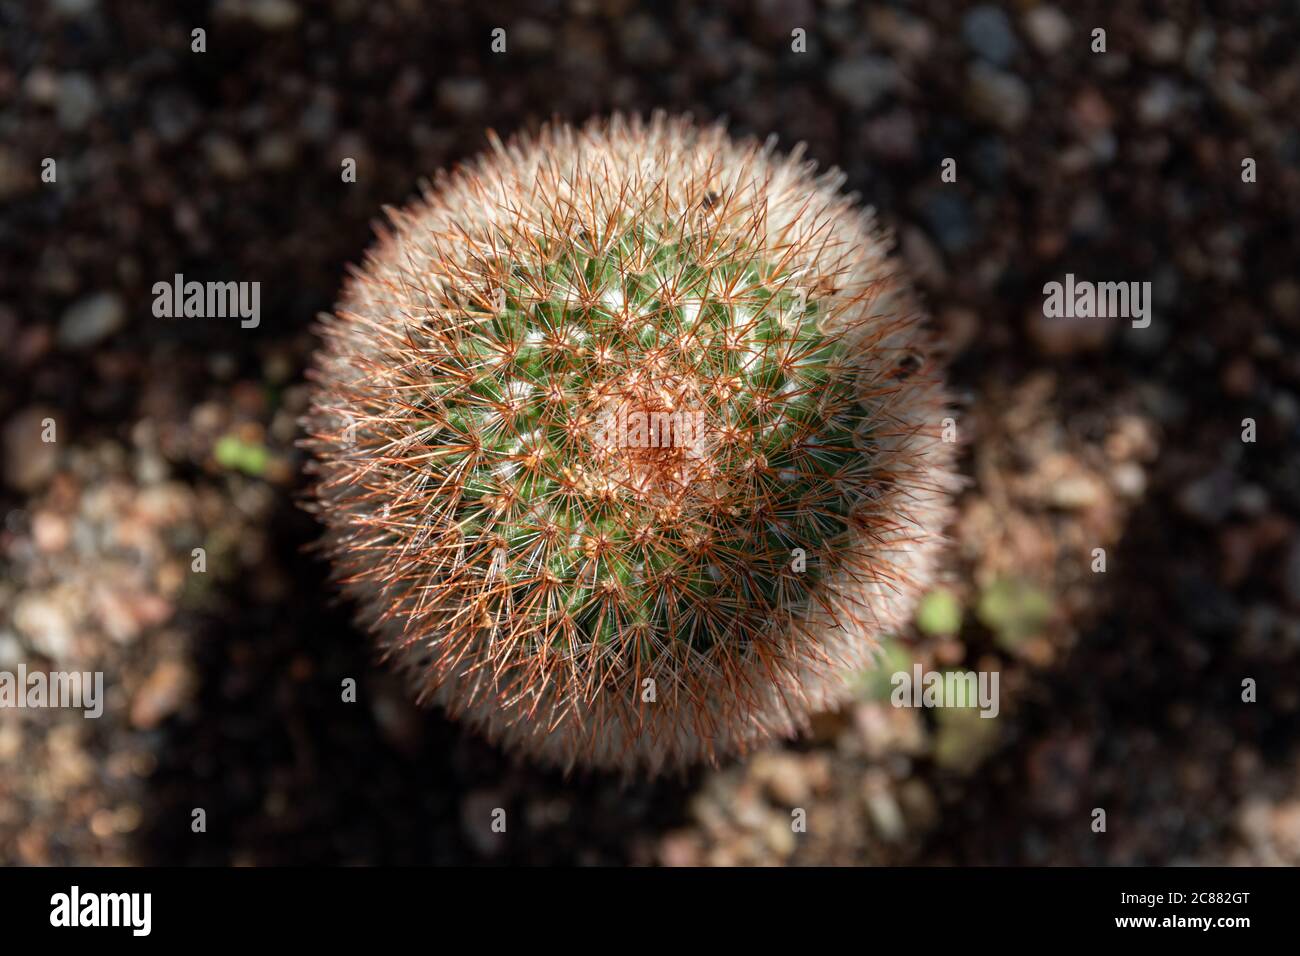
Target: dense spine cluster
(627, 443)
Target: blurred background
(1119, 690)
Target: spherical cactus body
(627, 444)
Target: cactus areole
(627, 443)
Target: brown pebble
(163, 693)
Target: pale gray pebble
(78, 100)
(862, 81)
(462, 95)
(998, 97)
(1048, 28)
(89, 321)
(988, 32)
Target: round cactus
(628, 443)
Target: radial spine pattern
(627, 443)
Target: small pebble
(988, 32)
(998, 97)
(89, 321)
(1048, 28)
(862, 81)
